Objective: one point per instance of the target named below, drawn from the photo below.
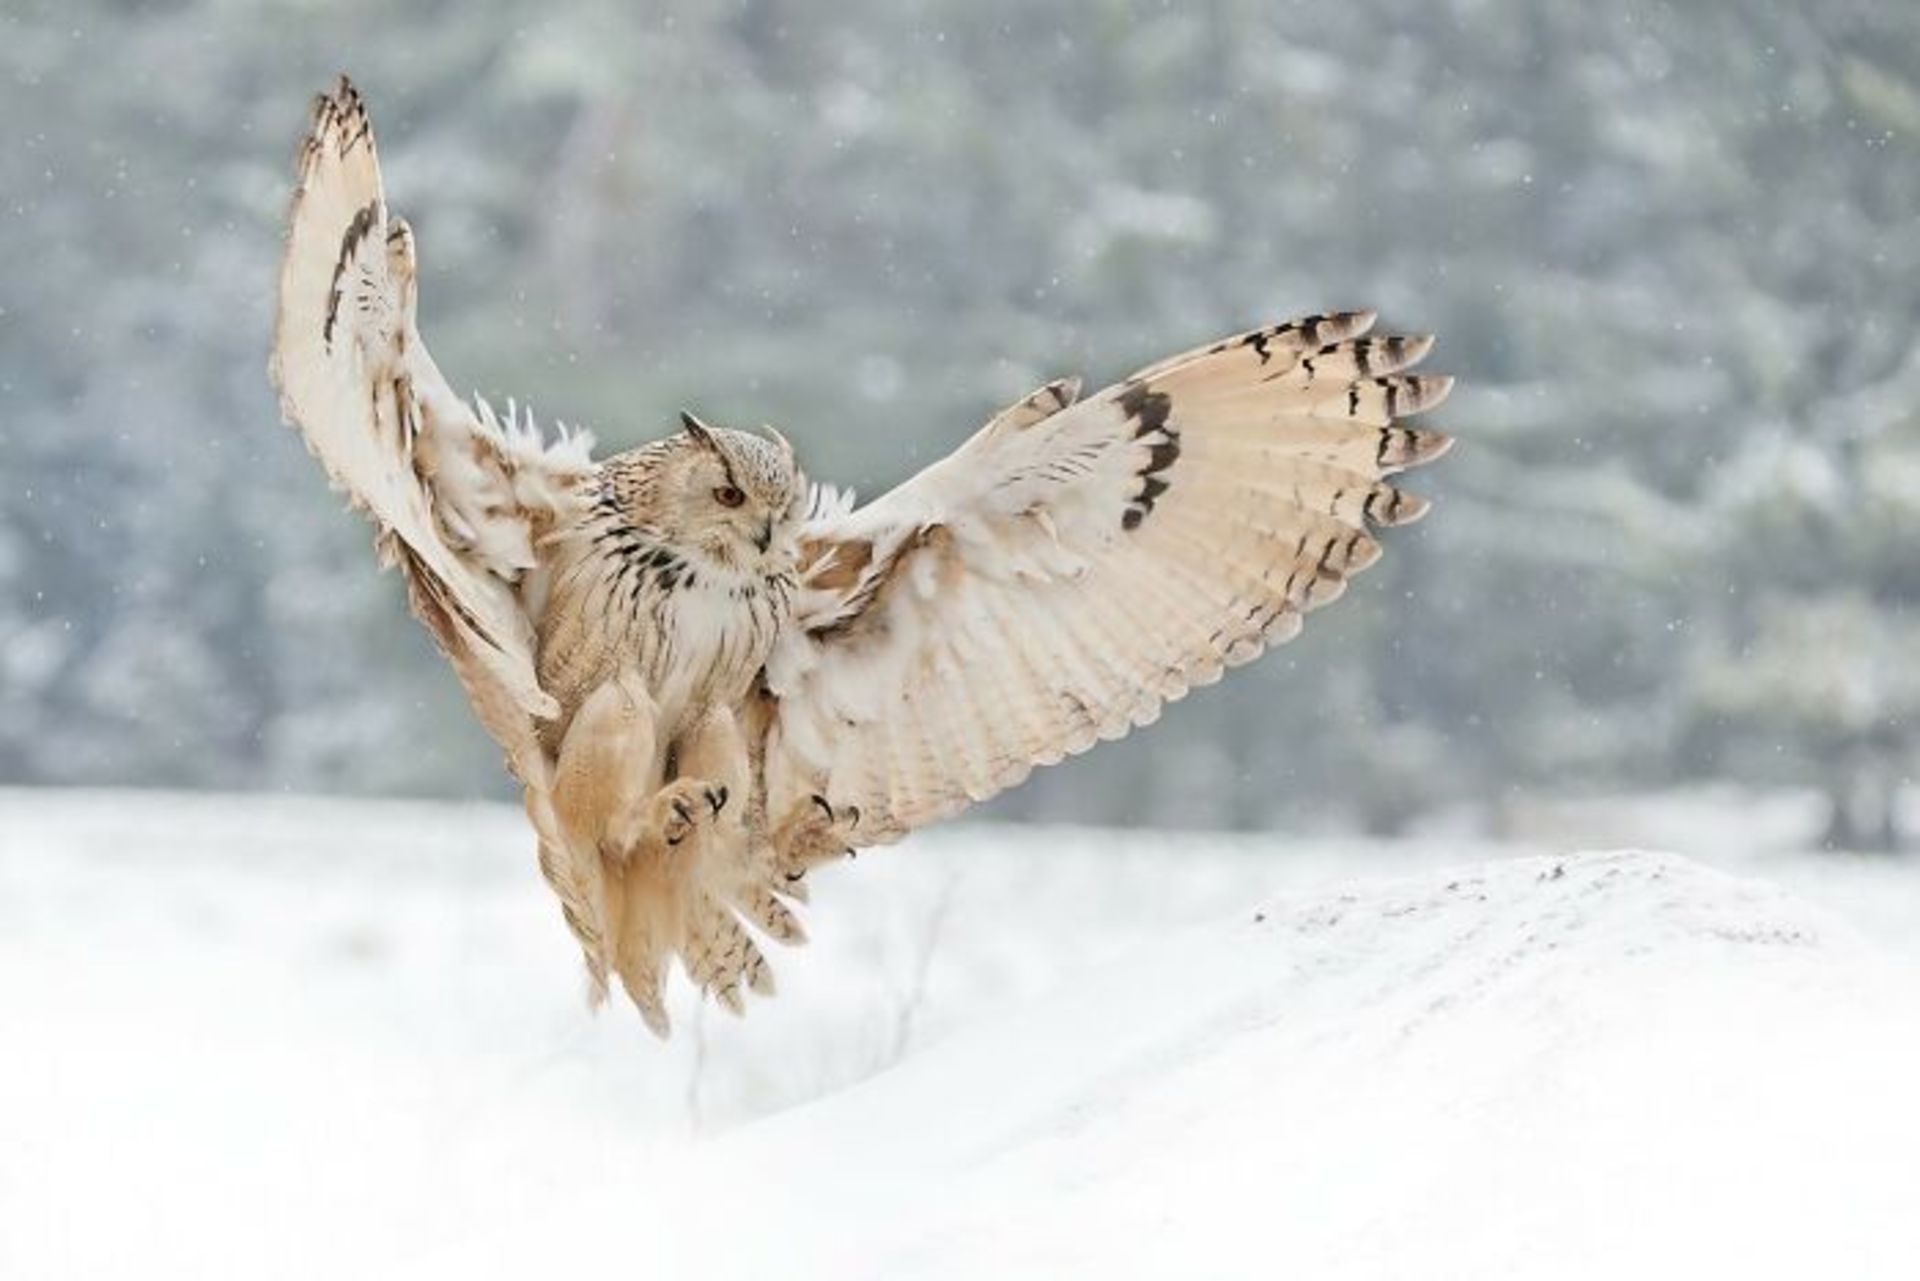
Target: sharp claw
(825, 808)
(717, 797)
(794, 878)
(683, 810)
(854, 812)
(675, 840)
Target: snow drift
(292, 1038)
(1608, 1065)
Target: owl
(711, 675)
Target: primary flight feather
(711, 675)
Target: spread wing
(459, 498)
(1075, 566)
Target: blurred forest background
(1671, 250)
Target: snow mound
(1601, 1065)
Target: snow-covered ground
(252, 1037)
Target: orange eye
(728, 496)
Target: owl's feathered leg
(668, 851)
(677, 812)
(606, 761)
(721, 957)
(814, 831)
(810, 829)
(713, 756)
(604, 797)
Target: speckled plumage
(711, 676)
(693, 606)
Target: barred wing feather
(1076, 565)
(459, 497)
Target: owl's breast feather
(721, 630)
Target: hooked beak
(764, 539)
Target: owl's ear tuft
(701, 433)
(786, 446)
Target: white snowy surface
(251, 1037)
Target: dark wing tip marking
(1150, 412)
(1401, 447)
(1146, 407)
(1387, 506)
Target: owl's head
(733, 495)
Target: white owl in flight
(711, 675)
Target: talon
(717, 797)
(675, 840)
(794, 878)
(825, 808)
(683, 810)
(853, 816)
